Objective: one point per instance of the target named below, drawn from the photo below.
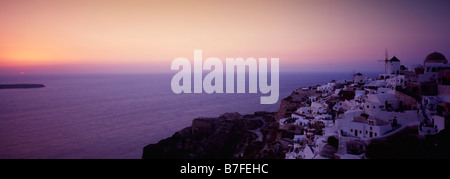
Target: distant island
(15, 86)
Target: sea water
(114, 116)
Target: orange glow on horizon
(25, 57)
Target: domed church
(433, 63)
(435, 57)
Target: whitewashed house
(319, 107)
(327, 88)
(356, 125)
(358, 78)
(433, 64)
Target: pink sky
(107, 36)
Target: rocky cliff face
(294, 101)
(231, 135)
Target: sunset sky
(131, 36)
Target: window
(360, 132)
(366, 132)
(370, 128)
(375, 134)
(351, 130)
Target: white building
(358, 78)
(304, 110)
(319, 107)
(360, 95)
(398, 80)
(367, 128)
(376, 83)
(383, 90)
(296, 120)
(353, 124)
(346, 105)
(439, 122)
(393, 66)
(436, 122)
(433, 63)
(380, 101)
(430, 103)
(327, 88)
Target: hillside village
(403, 113)
(341, 119)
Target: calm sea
(113, 116)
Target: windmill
(385, 61)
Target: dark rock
(14, 86)
(202, 125)
(226, 137)
(260, 113)
(231, 116)
(328, 151)
(356, 147)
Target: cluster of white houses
(364, 109)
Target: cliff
(231, 135)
